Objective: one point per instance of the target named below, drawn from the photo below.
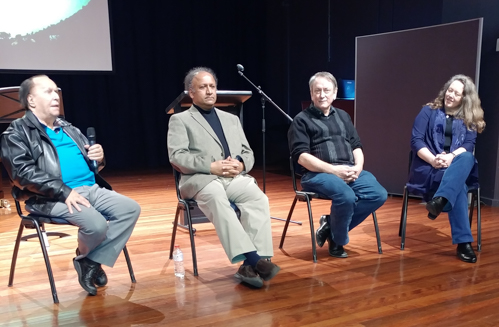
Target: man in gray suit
(209, 148)
(55, 171)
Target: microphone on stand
(264, 98)
(91, 141)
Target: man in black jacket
(49, 163)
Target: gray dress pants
(252, 232)
(105, 227)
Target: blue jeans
(351, 203)
(453, 188)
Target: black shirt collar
(203, 111)
(318, 113)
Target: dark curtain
(281, 43)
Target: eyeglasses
(320, 91)
(456, 94)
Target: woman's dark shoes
(465, 252)
(323, 232)
(336, 251)
(435, 206)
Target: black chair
(187, 206)
(474, 190)
(307, 197)
(36, 222)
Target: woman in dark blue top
(443, 166)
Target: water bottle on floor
(180, 292)
(178, 259)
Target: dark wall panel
(396, 74)
(487, 148)
(280, 43)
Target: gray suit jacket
(193, 146)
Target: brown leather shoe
(248, 275)
(266, 269)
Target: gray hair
(25, 89)
(193, 72)
(326, 75)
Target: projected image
(17, 30)
(55, 35)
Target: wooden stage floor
(424, 285)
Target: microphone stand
(265, 98)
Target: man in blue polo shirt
(49, 162)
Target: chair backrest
(177, 175)
(411, 154)
(295, 171)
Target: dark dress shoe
(100, 278)
(86, 270)
(465, 252)
(435, 206)
(323, 232)
(336, 251)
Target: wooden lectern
(230, 101)
(10, 110)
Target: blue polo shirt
(74, 168)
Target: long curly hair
(470, 110)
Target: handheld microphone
(240, 68)
(91, 141)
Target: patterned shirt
(330, 138)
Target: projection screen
(396, 74)
(55, 35)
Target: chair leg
(479, 220)
(193, 245)
(174, 232)
(472, 207)
(378, 238)
(14, 254)
(312, 230)
(129, 264)
(47, 261)
(287, 222)
(403, 218)
(186, 227)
